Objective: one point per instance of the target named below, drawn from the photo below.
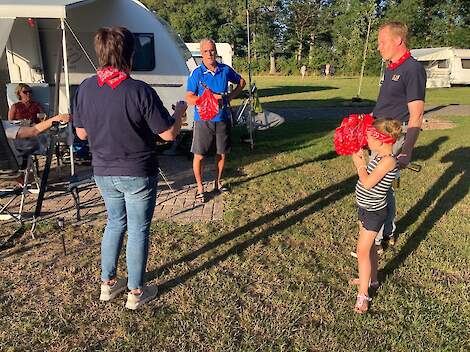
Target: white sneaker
(135, 301)
(108, 292)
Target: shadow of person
(323, 157)
(446, 200)
(301, 209)
(425, 152)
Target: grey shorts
(372, 220)
(207, 134)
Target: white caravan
(444, 66)
(36, 34)
(224, 52)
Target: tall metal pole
(67, 89)
(364, 56)
(250, 95)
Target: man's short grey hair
(206, 40)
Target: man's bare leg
(198, 169)
(219, 165)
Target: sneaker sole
(137, 305)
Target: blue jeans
(130, 202)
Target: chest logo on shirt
(395, 78)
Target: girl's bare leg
(364, 253)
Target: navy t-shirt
(121, 124)
(401, 86)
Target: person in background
(120, 117)
(16, 131)
(26, 108)
(216, 77)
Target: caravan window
(144, 56)
(443, 64)
(466, 63)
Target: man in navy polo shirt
(401, 97)
(215, 76)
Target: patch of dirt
(435, 124)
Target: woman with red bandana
(26, 108)
(120, 117)
(375, 180)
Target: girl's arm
(368, 181)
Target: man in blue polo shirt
(216, 77)
(401, 97)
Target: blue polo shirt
(216, 81)
(401, 86)
(121, 124)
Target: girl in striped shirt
(375, 179)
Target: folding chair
(10, 170)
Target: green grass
(272, 276)
(294, 92)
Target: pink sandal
(362, 304)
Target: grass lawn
(293, 92)
(273, 275)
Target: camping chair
(11, 170)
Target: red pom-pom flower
(207, 105)
(351, 136)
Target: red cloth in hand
(351, 135)
(207, 105)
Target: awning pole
(67, 89)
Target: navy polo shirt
(216, 81)
(121, 124)
(401, 86)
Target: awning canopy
(432, 54)
(37, 8)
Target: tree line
(286, 34)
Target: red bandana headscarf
(394, 65)
(111, 76)
(383, 137)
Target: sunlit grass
(272, 276)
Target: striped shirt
(374, 199)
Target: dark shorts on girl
(372, 220)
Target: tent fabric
(36, 8)
(5, 28)
(431, 54)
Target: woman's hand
(181, 107)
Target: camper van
(36, 33)
(444, 66)
(224, 52)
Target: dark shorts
(206, 134)
(372, 220)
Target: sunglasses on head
(27, 91)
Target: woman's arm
(11, 113)
(81, 133)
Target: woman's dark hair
(114, 47)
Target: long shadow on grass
(460, 170)
(283, 90)
(425, 152)
(323, 157)
(303, 207)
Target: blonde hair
(388, 126)
(19, 88)
(398, 29)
